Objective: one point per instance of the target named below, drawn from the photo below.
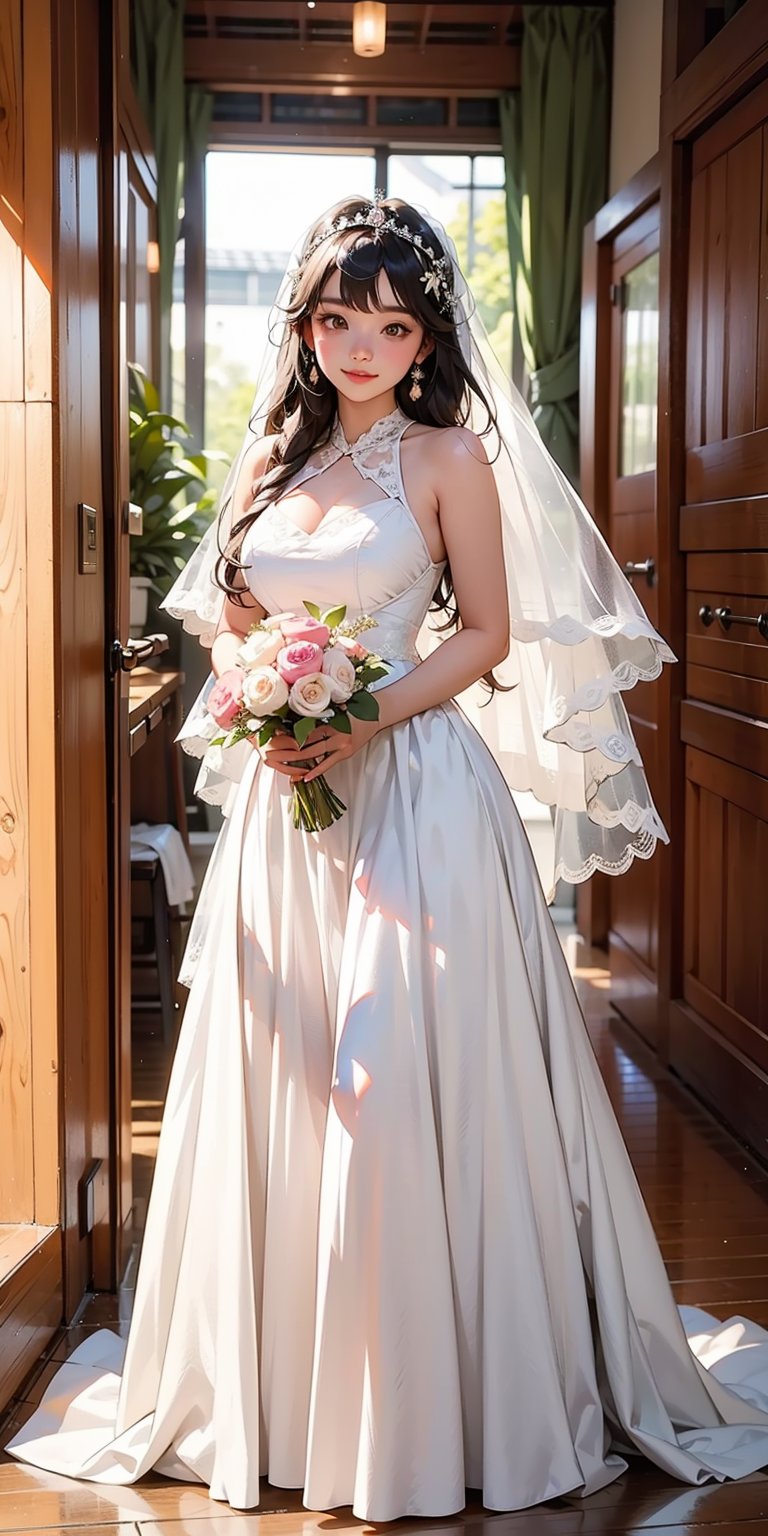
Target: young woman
(395, 1247)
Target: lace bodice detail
(372, 557)
(375, 453)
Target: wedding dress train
(395, 1246)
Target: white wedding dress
(395, 1246)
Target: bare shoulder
(257, 457)
(446, 448)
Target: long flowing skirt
(395, 1246)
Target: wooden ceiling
(248, 52)
(287, 44)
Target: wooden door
(131, 336)
(632, 535)
(719, 1020)
(82, 852)
(619, 374)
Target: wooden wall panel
(30, 1102)
(743, 181)
(761, 401)
(16, 1183)
(727, 299)
(43, 816)
(726, 978)
(11, 202)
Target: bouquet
(295, 673)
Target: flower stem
(315, 806)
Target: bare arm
(236, 620)
(470, 523)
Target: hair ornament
(437, 279)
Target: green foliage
(364, 705)
(162, 472)
(229, 391)
(489, 275)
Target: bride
(395, 1247)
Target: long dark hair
(302, 414)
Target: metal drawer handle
(645, 568)
(727, 618)
(126, 657)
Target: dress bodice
(372, 557)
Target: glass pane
(477, 112)
(489, 171)
(288, 107)
(257, 205)
(437, 183)
(405, 111)
(640, 361)
(476, 221)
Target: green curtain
(159, 77)
(199, 113)
(555, 146)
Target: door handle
(727, 618)
(645, 568)
(126, 657)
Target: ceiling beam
(279, 10)
(219, 64)
(247, 136)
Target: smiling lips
(356, 373)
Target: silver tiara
(437, 279)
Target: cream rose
(259, 649)
(340, 673)
(264, 691)
(275, 620)
(311, 694)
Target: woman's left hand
(330, 747)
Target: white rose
(340, 672)
(264, 691)
(276, 619)
(260, 649)
(311, 695)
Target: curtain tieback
(556, 381)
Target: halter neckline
(380, 432)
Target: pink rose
(353, 648)
(306, 629)
(226, 697)
(298, 660)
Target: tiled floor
(709, 1203)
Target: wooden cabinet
(719, 1022)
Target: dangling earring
(415, 389)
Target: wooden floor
(709, 1203)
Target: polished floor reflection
(709, 1202)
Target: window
(466, 193)
(257, 204)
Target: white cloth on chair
(167, 842)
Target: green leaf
(334, 616)
(266, 733)
(371, 674)
(303, 728)
(312, 610)
(340, 722)
(363, 705)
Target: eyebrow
(341, 305)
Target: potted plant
(161, 472)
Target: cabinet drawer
(726, 650)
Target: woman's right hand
(280, 753)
